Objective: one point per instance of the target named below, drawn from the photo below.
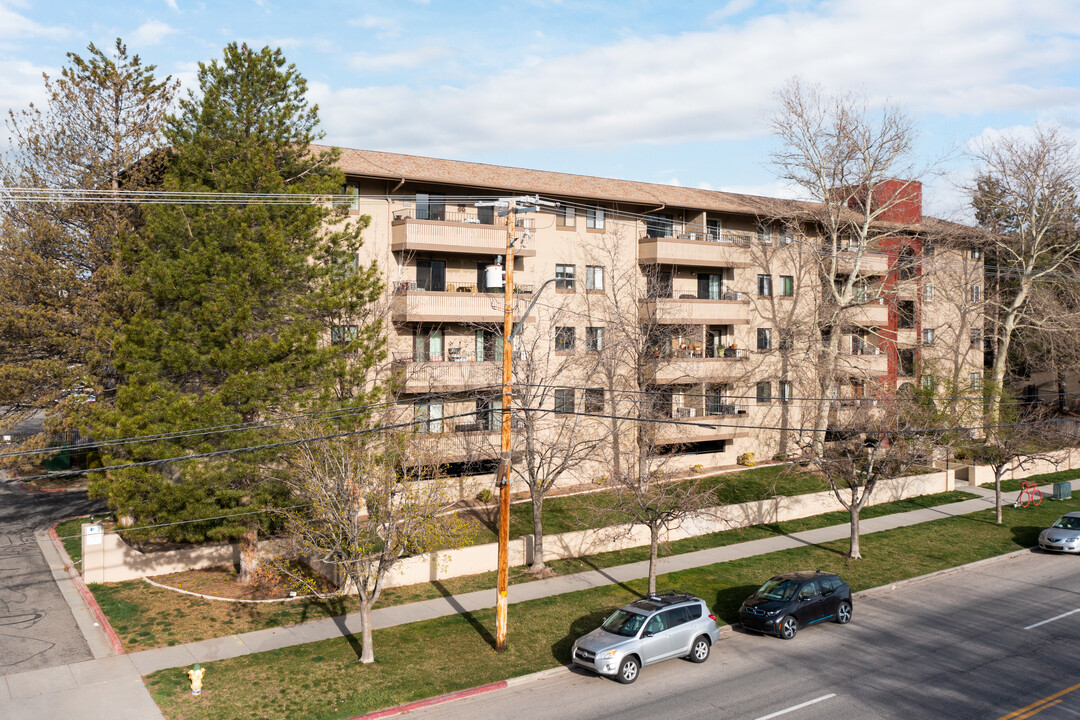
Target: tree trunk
(654, 544)
(1061, 391)
(854, 553)
(249, 556)
(537, 565)
(997, 493)
(367, 649)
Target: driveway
(37, 628)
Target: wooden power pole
(501, 599)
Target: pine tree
(231, 305)
(98, 131)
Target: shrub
(484, 496)
(779, 457)
(747, 459)
(697, 468)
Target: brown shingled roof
(394, 166)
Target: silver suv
(659, 627)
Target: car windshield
(1068, 523)
(624, 623)
(777, 589)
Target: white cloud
(962, 57)
(172, 4)
(731, 9)
(152, 33)
(22, 85)
(17, 27)
(387, 27)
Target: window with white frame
(564, 277)
(976, 253)
(976, 293)
(974, 379)
(594, 277)
(343, 334)
(567, 217)
(785, 391)
(928, 336)
(764, 338)
(764, 285)
(928, 292)
(764, 392)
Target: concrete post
(93, 553)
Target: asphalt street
(996, 641)
(37, 629)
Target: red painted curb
(438, 700)
(87, 596)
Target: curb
(723, 629)
(437, 700)
(87, 596)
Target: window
(594, 277)
(714, 229)
(564, 339)
(787, 339)
(431, 275)
(974, 380)
(567, 217)
(659, 284)
(564, 401)
(351, 191)
(764, 392)
(928, 293)
(594, 400)
(976, 253)
(716, 402)
(787, 285)
(928, 382)
(905, 314)
(430, 206)
(594, 339)
(342, 334)
(659, 225)
(976, 340)
(564, 277)
(907, 265)
(928, 336)
(710, 286)
(428, 416)
(428, 345)
(344, 265)
(976, 293)
(764, 234)
(489, 345)
(488, 413)
(594, 218)
(764, 338)
(764, 285)
(906, 359)
(785, 391)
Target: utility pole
(501, 600)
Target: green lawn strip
(419, 660)
(70, 533)
(589, 510)
(146, 617)
(1013, 486)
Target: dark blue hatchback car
(795, 600)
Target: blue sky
(661, 92)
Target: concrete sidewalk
(110, 687)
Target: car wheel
(788, 627)
(628, 671)
(843, 613)
(699, 653)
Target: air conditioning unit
(684, 412)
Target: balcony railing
(727, 295)
(404, 287)
(866, 350)
(450, 355)
(698, 353)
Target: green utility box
(1062, 490)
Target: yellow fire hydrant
(196, 674)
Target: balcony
(694, 366)
(733, 308)
(450, 372)
(872, 314)
(867, 360)
(721, 249)
(871, 262)
(690, 427)
(459, 302)
(461, 233)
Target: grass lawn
(575, 512)
(70, 533)
(1013, 486)
(324, 679)
(146, 617)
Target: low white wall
(114, 560)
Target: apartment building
(709, 309)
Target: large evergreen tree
(230, 306)
(98, 130)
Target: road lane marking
(1039, 705)
(1038, 710)
(1056, 617)
(793, 708)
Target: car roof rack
(669, 597)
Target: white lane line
(793, 708)
(1056, 617)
